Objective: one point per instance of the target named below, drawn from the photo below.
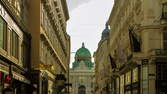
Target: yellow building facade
(137, 45)
(103, 68)
(50, 43)
(14, 47)
(34, 45)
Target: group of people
(11, 91)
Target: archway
(82, 89)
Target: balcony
(160, 52)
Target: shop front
(18, 82)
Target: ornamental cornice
(14, 16)
(43, 35)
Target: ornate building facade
(82, 72)
(102, 65)
(14, 47)
(39, 58)
(50, 44)
(137, 46)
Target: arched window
(81, 89)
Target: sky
(86, 23)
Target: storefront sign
(44, 67)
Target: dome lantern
(105, 32)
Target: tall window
(117, 86)
(165, 40)
(122, 80)
(162, 71)
(3, 34)
(128, 81)
(164, 10)
(135, 75)
(81, 90)
(135, 79)
(128, 78)
(145, 79)
(14, 44)
(23, 54)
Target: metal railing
(160, 52)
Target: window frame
(4, 34)
(164, 40)
(14, 42)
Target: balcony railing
(160, 52)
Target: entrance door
(82, 89)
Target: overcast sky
(86, 23)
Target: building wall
(49, 28)
(79, 78)
(143, 18)
(41, 24)
(14, 46)
(34, 29)
(103, 68)
(50, 41)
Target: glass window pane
(122, 84)
(128, 78)
(1, 32)
(135, 75)
(118, 84)
(128, 92)
(14, 44)
(135, 92)
(145, 72)
(5, 35)
(145, 86)
(165, 44)
(165, 9)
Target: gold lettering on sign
(2, 11)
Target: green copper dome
(83, 52)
